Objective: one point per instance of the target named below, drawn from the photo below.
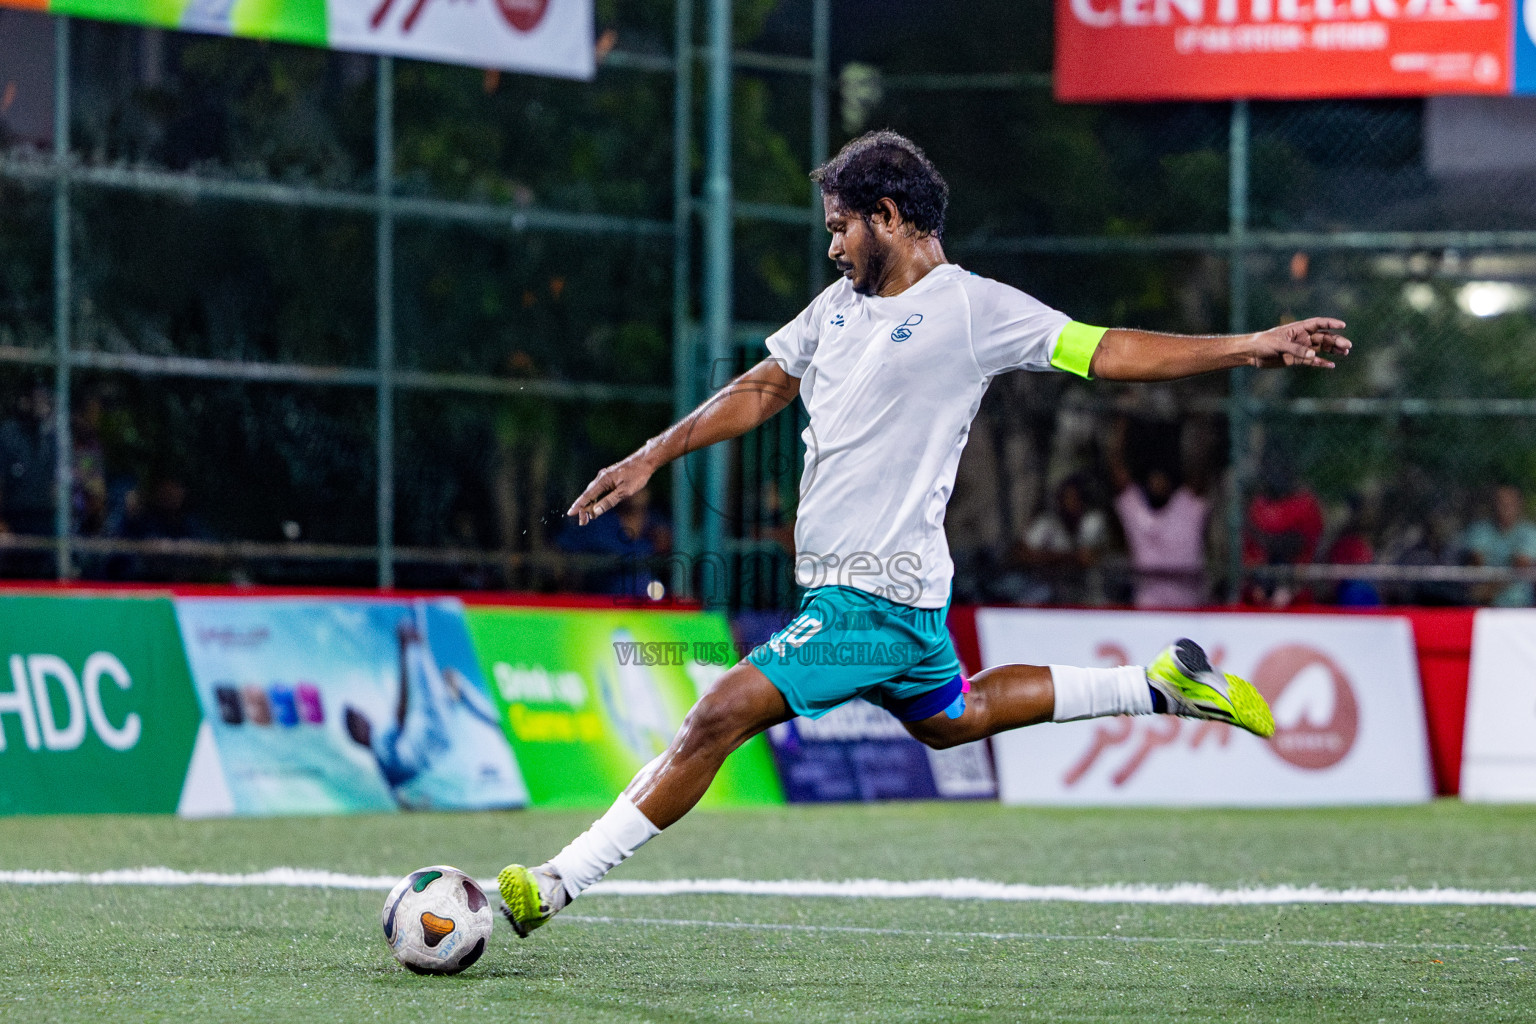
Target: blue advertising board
(859, 752)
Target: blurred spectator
(26, 480)
(1353, 547)
(156, 510)
(1285, 522)
(633, 534)
(1437, 543)
(1061, 549)
(27, 466)
(160, 513)
(1164, 528)
(1509, 540)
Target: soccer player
(891, 362)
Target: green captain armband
(1075, 347)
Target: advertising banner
(1499, 754)
(1345, 692)
(316, 706)
(861, 752)
(1281, 49)
(547, 37)
(96, 709)
(590, 696)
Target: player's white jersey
(891, 385)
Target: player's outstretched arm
(746, 402)
(1147, 356)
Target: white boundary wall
(1498, 760)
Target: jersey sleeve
(1016, 331)
(794, 344)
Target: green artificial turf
(78, 953)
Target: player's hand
(612, 486)
(1303, 343)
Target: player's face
(860, 255)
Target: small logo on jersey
(904, 332)
(837, 321)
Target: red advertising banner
(1280, 49)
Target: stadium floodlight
(1492, 298)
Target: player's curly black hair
(887, 165)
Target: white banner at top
(544, 37)
(1345, 691)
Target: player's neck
(911, 266)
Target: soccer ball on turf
(437, 920)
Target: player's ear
(887, 215)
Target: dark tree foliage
(171, 276)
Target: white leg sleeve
(610, 841)
(1094, 692)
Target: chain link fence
(284, 315)
(1378, 482)
(208, 387)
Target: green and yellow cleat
(1193, 689)
(522, 900)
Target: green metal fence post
(1237, 402)
(821, 55)
(785, 438)
(384, 302)
(63, 302)
(717, 276)
(683, 362)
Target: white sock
(1095, 692)
(610, 841)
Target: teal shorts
(846, 643)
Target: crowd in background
(1058, 501)
(1096, 510)
(105, 500)
(1117, 522)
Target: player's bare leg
(740, 705)
(1002, 698)
(744, 703)
(1179, 681)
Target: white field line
(293, 878)
(1179, 894)
(674, 922)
